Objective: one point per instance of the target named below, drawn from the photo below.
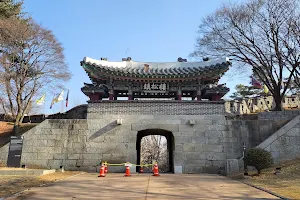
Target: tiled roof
(156, 69)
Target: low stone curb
(265, 190)
(46, 184)
(24, 172)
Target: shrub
(258, 158)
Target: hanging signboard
(155, 87)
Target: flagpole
(44, 109)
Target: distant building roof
(128, 69)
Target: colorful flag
(266, 89)
(67, 99)
(254, 82)
(60, 97)
(52, 102)
(41, 100)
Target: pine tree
(10, 8)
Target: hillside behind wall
(284, 144)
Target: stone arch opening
(170, 145)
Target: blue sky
(156, 30)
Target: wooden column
(216, 97)
(179, 93)
(199, 95)
(94, 96)
(130, 93)
(199, 89)
(111, 94)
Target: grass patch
(13, 184)
(7, 127)
(6, 131)
(287, 183)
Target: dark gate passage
(170, 145)
(15, 151)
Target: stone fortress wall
(259, 104)
(203, 138)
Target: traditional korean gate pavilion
(140, 80)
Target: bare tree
(262, 34)
(31, 59)
(154, 148)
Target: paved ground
(167, 186)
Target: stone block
(218, 127)
(128, 138)
(191, 169)
(77, 145)
(294, 141)
(192, 147)
(59, 156)
(232, 166)
(198, 163)
(29, 142)
(41, 143)
(82, 126)
(179, 158)
(214, 133)
(48, 149)
(199, 140)
(212, 148)
(229, 139)
(27, 149)
(132, 169)
(45, 155)
(59, 131)
(177, 169)
(293, 132)
(162, 120)
(42, 163)
(211, 170)
(183, 133)
(51, 143)
(275, 154)
(189, 156)
(183, 139)
(167, 127)
(55, 164)
(92, 163)
(215, 156)
(218, 163)
(92, 156)
(178, 147)
(115, 158)
(192, 128)
(233, 153)
(236, 145)
(73, 156)
(29, 156)
(213, 140)
(46, 137)
(199, 133)
(69, 163)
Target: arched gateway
(129, 100)
(170, 146)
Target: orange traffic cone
(141, 170)
(127, 171)
(102, 173)
(155, 170)
(105, 169)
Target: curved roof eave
(158, 70)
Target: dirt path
(167, 186)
